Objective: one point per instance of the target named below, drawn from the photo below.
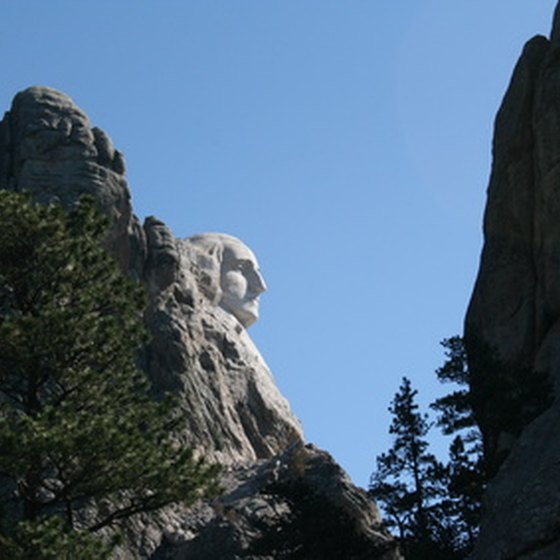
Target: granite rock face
(48, 148)
(202, 353)
(299, 504)
(514, 313)
(235, 414)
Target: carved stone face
(241, 282)
(230, 275)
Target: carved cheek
(234, 284)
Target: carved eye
(243, 266)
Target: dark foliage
(410, 484)
(78, 431)
(315, 529)
(466, 469)
(435, 508)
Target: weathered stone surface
(300, 504)
(278, 492)
(202, 353)
(48, 147)
(523, 502)
(229, 273)
(515, 309)
(503, 310)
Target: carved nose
(258, 283)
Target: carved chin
(246, 314)
(248, 319)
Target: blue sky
(346, 142)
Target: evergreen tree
(466, 470)
(455, 409)
(409, 483)
(83, 444)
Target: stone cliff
(512, 328)
(275, 485)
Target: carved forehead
(236, 250)
(224, 247)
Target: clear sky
(346, 142)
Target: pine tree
(83, 444)
(467, 473)
(409, 483)
(455, 409)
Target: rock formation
(48, 148)
(512, 328)
(200, 351)
(299, 504)
(234, 410)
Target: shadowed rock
(299, 504)
(514, 314)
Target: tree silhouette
(466, 469)
(410, 484)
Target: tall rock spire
(512, 327)
(555, 33)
